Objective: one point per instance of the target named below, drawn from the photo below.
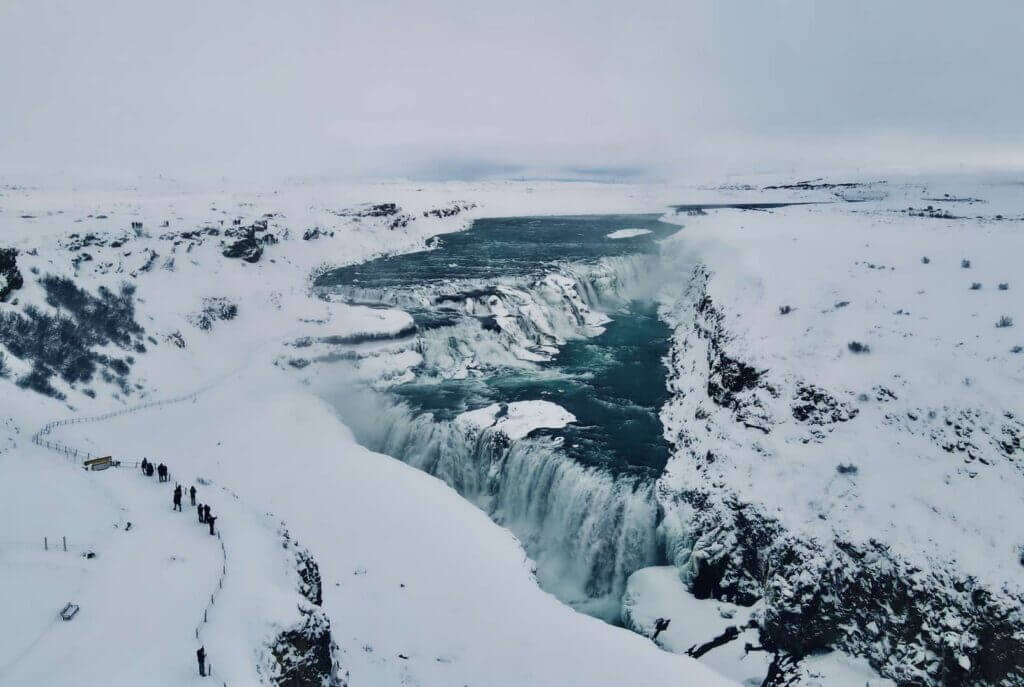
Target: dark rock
(316, 233)
(10, 276)
(449, 211)
(816, 406)
(247, 248)
(304, 655)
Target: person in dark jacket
(192, 493)
(161, 470)
(177, 498)
(660, 625)
(210, 519)
(199, 510)
(201, 657)
(145, 464)
(206, 512)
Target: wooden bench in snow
(98, 463)
(69, 611)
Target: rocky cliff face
(917, 625)
(304, 655)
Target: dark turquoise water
(613, 383)
(512, 246)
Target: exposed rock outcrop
(918, 626)
(304, 655)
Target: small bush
(841, 304)
(925, 260)
(975, 286)
(1004, 286)
(214, 309)
(966, 264)
(846, 469)
(858, 347)
(10, 276)
(785, 309)
(39, 380)
(1004, 321)
(1017, 349)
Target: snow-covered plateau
(841, 503)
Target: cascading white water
(529, 318)
(586, 529)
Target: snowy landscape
(834, 515)
(655, 344)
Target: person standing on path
(192, 493)
(201, 657)
(206, 512)
(177, 498)
(211, 519)
(660, 625)
(199, 509)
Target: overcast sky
(195, 88)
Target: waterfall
(586, 529)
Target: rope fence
(217, 590)
(78, 456)
(73, 454)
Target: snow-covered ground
(848, 383)
(809, 481)
(420, 587)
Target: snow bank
(628, 233)
(516, 420)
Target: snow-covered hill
(846, 420)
